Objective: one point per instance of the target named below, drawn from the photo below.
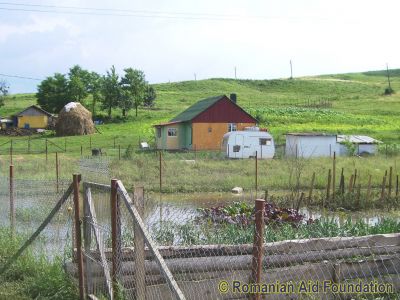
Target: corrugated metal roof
(37, 108)
(196, 109)
(166, 123)
(357, 139)
(310, 134)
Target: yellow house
(33, 117)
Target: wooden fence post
(341, 184)
(116, 235)
(351, 183)
(81, 150)
(87, 236)
(78, 236)
(328, 186)
(334, 176)
(119, 152)
(369, 189)
(140, 272)
(114, 142)
(29, 144)
(383, 187)
(358, 196)
(90, 142)
(397, 187)
(258, 245)
(311, 188)
(12, 203)
(354, 178)
(65, 145)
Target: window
(232, 127)
(158, 132)
(172, 132)
(265, 142)
(236, 148)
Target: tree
(94, 89)
(150, 96)
(134, 85)
(3, 91)
(53, 93)
(78, 83)
(110, 90)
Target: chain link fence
(200, 248)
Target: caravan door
(238, 147)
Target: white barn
(310, 144)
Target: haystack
(74, 119)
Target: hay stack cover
(74, 119)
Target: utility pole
(388, 76)
(291, 70)
(195, 77)
(235, 73)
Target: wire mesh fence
(207, 248)
(203, 249)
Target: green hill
(340, 103)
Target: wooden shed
(34, 117)
(203, 125)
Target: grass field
(345, 103)
(357, 104)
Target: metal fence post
(12, 204)
(160, 163)
(46, 150)
(78, 236)
(11, 151)
(57, 172)
(258, 245)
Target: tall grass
(198, 233)
(32, 276)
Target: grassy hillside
(342, 103)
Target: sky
(178, 40)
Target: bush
(389, 91)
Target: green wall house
(203, 125)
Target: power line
(112, 14)
(116, 10)
(20, 77)
(96, 11)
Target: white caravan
(245, 144)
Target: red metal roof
(224, 111)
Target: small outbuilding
(364, 145)
(248, 143)
(74, 119)
(310, 144)
(34, 117)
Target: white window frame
(232, 127)
(172, 132)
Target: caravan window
(232, 127)
(236, 148)
(265, 142)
